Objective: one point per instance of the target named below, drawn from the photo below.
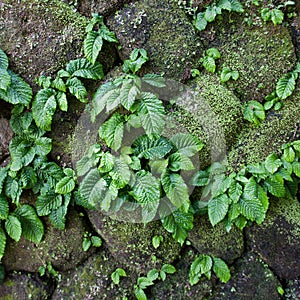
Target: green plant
(209, 59)
(254, 112)
(48, 270)
(203, 265)
(156, 240)
(115, 276)
(211, 12)
(154, 274)
(276, 15)
(93, 41)
(90, 240)
(227, 74)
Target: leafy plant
(209, 59)
(154, 274)
(48, 269)
(276, 15)
(90, 240)
(227, 74)
(115, 276)
(156, 240)
(215, 9)
(204, 264)
(254, 112)
(93, 41)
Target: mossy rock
(161, 28)
(23, 287)
(40, 37)
(252, 279)
(261, 53)
(92, 280)
(62, 248)
(214, 114)
(277, 239)
(6, 135)
(256, 143)
(216, 240)
(131, 243)
(177, 286)
(292, 290)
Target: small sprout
(115, 276)
(156, 240)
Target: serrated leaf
(272, 163)
(13, 227)
(107, 162)
(43, 146)
(296, 168)
(254, 111)
(217, 209)
(285, 86)
(201, 178)
(32, 226)
(83, 68)
(178, 161)
(275, 186)
(107, 34)
(93, 187)
(3, 60)
(112, 131)
(252, 209)
(58, 217)
(92, 46)
(3, 174)
(120, 174)
(200, 22)
(13, 189)
(235, 191)
(4, 207)
(28, 177)
(4, 79)
(77, 89)
(175, 189)
(186, 144)
(209, 64)
(152, 113)
(43, 108)
(3, 243)
(65, 185)
(146, 188)
(221, 269)
(154, 80)
(47, 202)
(128, 93)
(289, 154)
(62, 101)
(18, 92)
(153, 147)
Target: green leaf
(28, 177)
(3, 60)
(47, 202)
(107, 34)
(200, 22)
(3, 243)
(139, 294)
(153, 274)
(93, 187)
(146, 188)
(214, 53)
(277, 16)
(225, 4)
(235, 191)
(221, 269)
(296, 168)
(4, 79)
(32, 226)
(112, 131)
(13, 190)
(115, 276)
(43, 108)
(252, 209)
(289, 154)
(209, 64)
(275, 186)
(77, 89)
(3, 174)
(107, 162)
(210, 13)
(92, 46)
(4, 207)
(59, 84)
(201, 265)
(217, 209)
(152, 113)
(120, 174)
(86, 244)
(175, 189)
(13, 227)
(225, 74)
(186, 144)
(156, 240)
(254, 112)
(169, 269)
(62, 101)
(96, 241)
(18, 92)
(285, 86)
(83, 68)
(201, 178)
(178, 161)
(58, 217)
(65, 186)
(272, 163)
(43, 146)
(154, 80)
(128, 93)
(153, 147)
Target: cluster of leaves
(276, 15)
(243, 197)
(90, 240)
(117, 274)
(255, 112)
(47, 269)
(214, 9)
(204, 264)
(153, 275)
(146, 171)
